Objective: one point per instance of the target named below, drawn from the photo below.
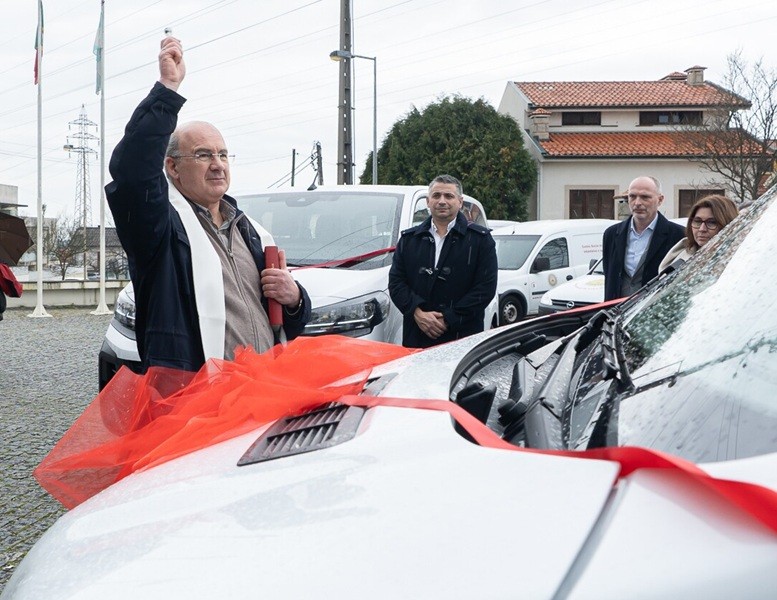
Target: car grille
(566, 304)
(326, 426)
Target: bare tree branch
(739, 143)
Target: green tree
(464, 138)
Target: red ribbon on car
(347, 262)
(138, 422)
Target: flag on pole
(98, 49)
(38, 43)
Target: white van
(536, 256)
(338, 242)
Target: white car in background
(339, 242)
(673, 391)
(581, 291)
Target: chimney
(540, 119)
(695, 76)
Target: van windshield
(513, 250)
(317, 227)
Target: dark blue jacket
(152, 234)
(615, 239)
(460, 287)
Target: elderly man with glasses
(197, 262)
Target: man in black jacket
(196, 261)
(444, 271)
(633, 249)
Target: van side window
(420, 211)
(471, 211)
(556, 252)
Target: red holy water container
(274, 308)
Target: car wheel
(511, 310)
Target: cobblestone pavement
(48, 374)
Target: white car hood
(340, 284)
(406, 509)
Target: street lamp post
(339, 55)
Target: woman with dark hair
(708, 216)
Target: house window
(688, 198)
(591, 204)
(673, 117)
(581, 118)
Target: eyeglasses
(711, 224)
(204, 156)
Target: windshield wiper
(613, 359)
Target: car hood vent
(326, 426)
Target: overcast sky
(260, 69)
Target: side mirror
(540, 264)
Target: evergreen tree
(464, 138)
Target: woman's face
(704, 234)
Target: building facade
(590, 139)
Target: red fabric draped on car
(138, 422)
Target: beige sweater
(679, 251)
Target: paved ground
(48, 374)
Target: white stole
(206, 264)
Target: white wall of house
(556, 178)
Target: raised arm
(172, 68)
(137, 196)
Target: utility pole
(319, 167)
(293, 164)
(82, 138)
(344, 108)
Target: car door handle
(569, 278)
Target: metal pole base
(102, 309)
(39, 311)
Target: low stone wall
(67, 293)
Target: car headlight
(124, 311)
(354, 317)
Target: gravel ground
(48, 374)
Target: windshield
(700, 349)
(513, 250)
(317, 227)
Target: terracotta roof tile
(624, 94)
(621, 144)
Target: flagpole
(102, 307)
(40, 310)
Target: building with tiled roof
(591, 138)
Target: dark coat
(615, 239)
(461, 286)
(153, 236)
